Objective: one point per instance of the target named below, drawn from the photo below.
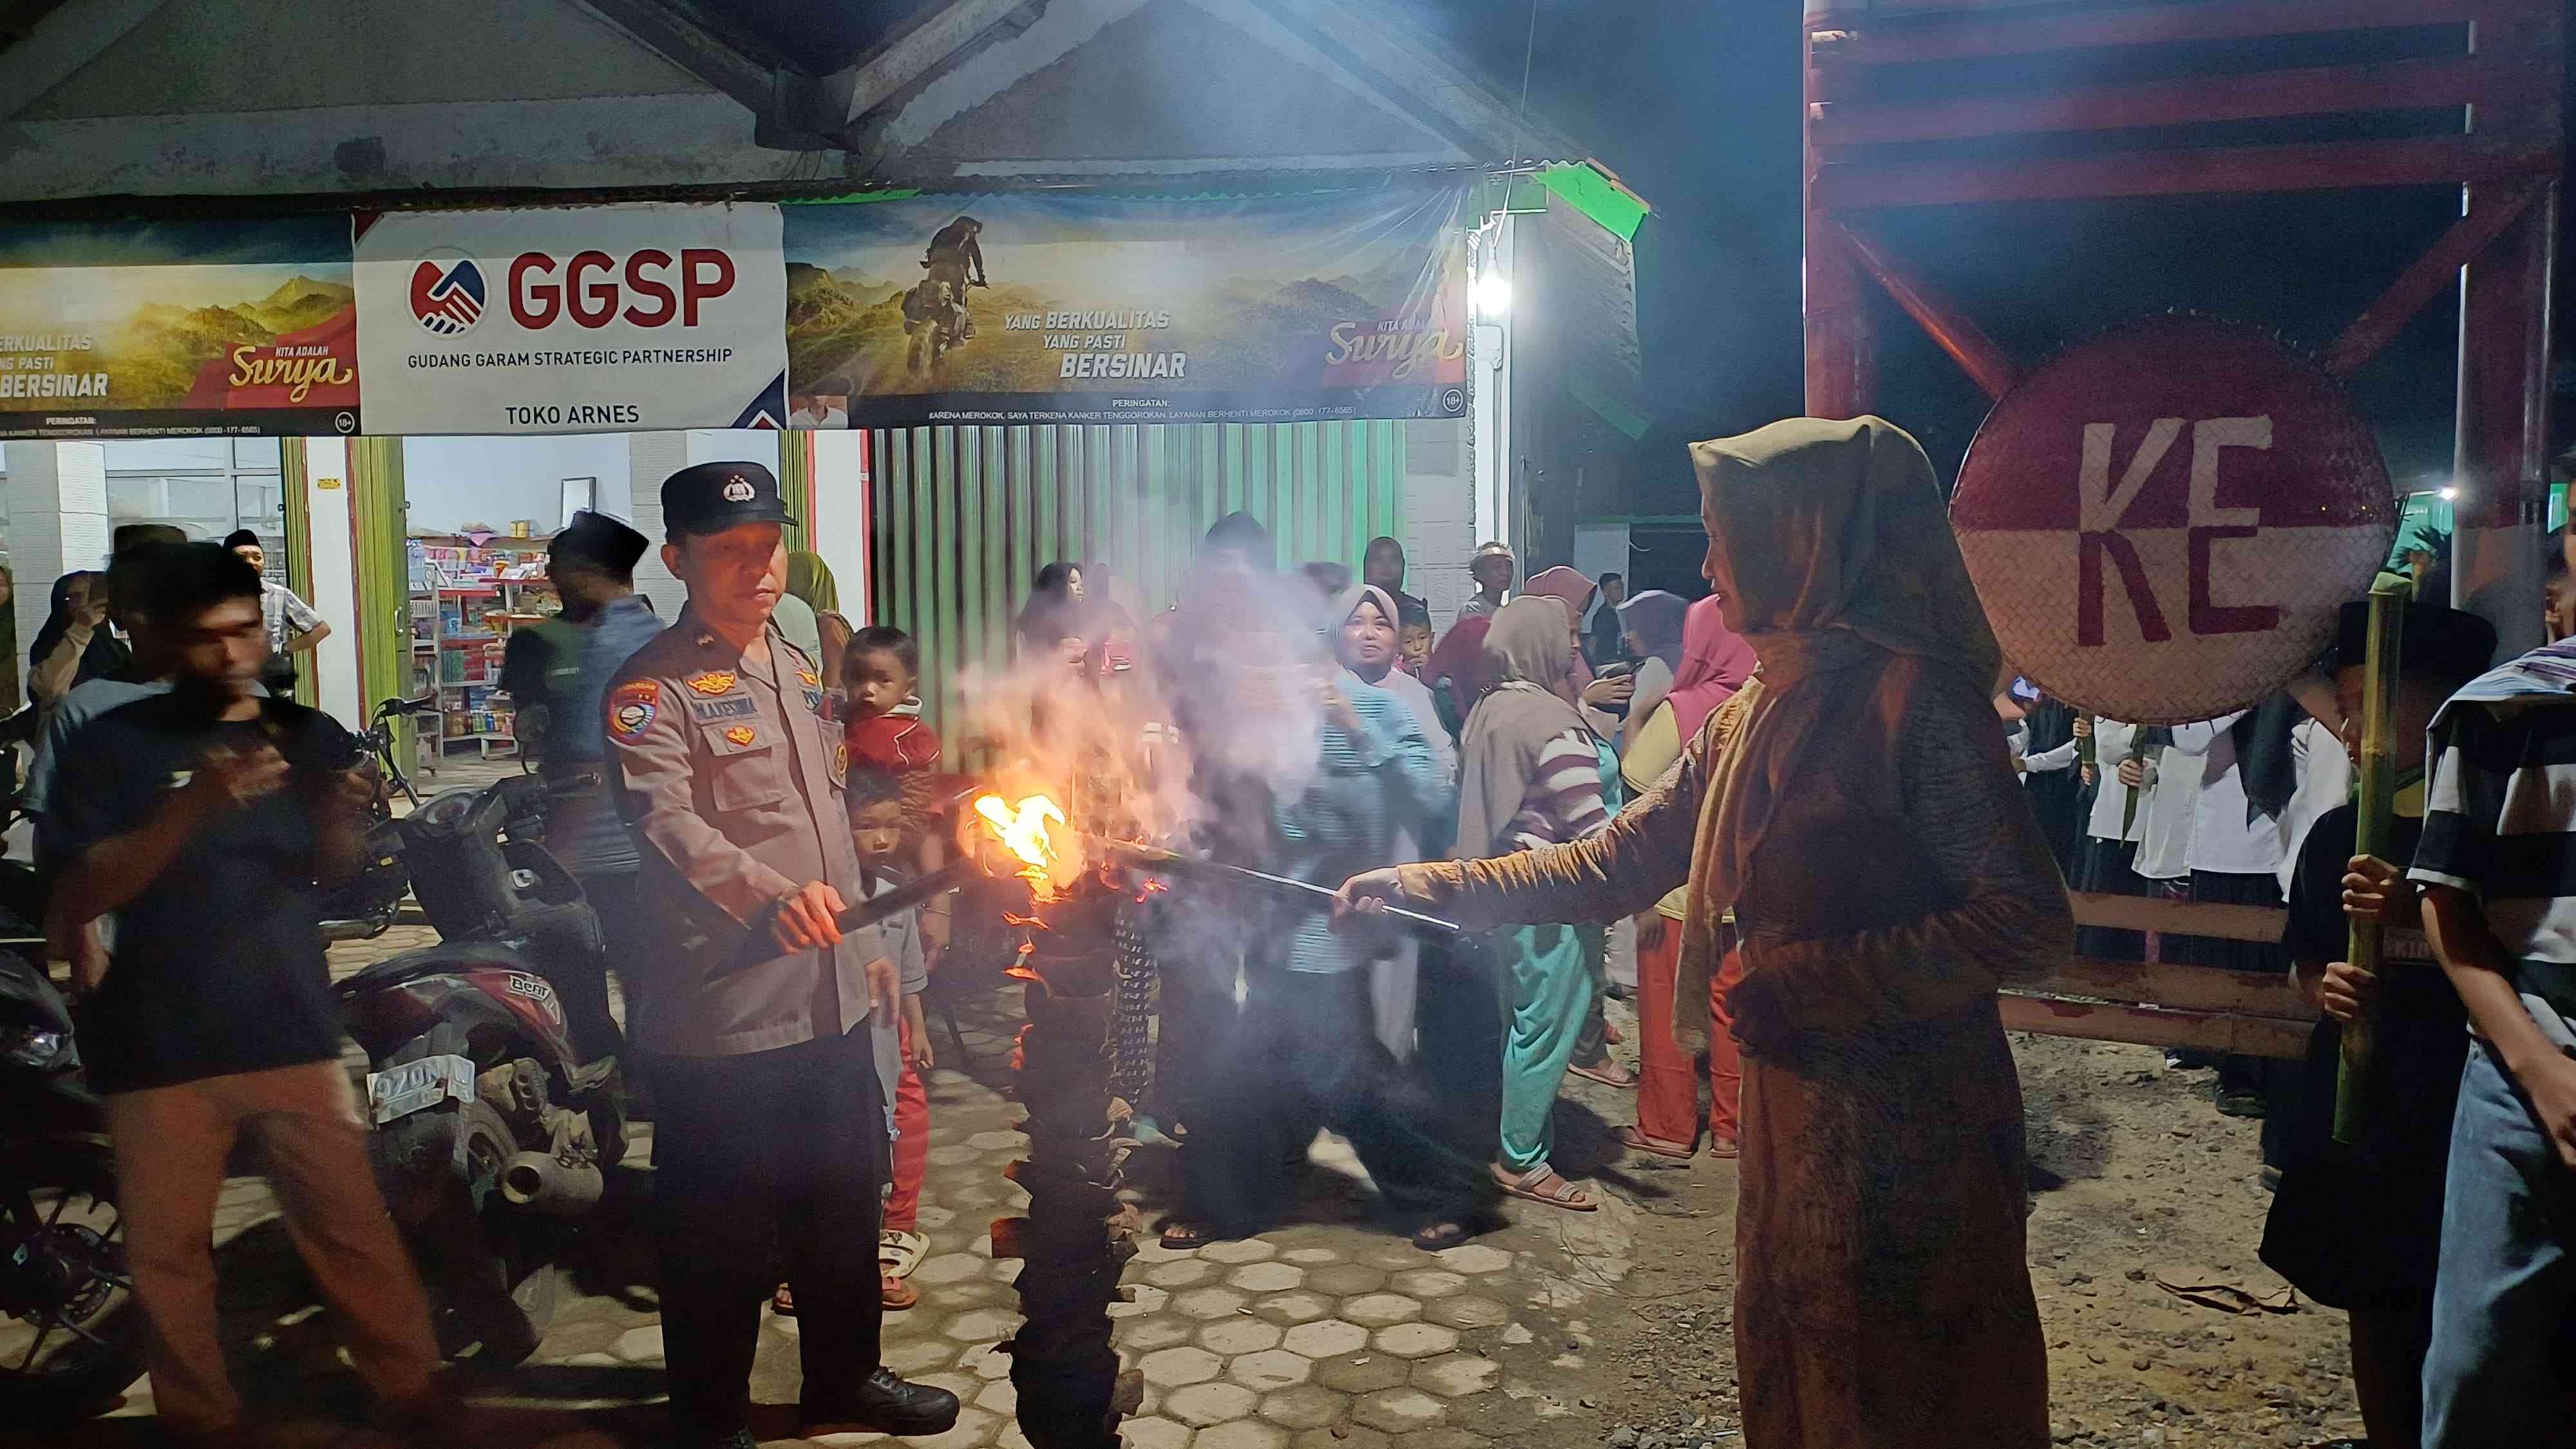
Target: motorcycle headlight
(30, 1046)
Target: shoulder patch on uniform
(630, 709)
(714, 681)
(742, 734)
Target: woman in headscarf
(75, 643)
(1715, 664)
(1394, 976)
(1530, 775)
(1651, 626)
(809, 614)
(1305, 1051)
(1855, 808)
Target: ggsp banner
(1036, 307)
(572, 319)
(133, 329)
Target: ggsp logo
(651, 290)
(2104, 502)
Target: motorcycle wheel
(68, 1318)
(497, 1281)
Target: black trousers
(767, 1169)
(1305, 1051)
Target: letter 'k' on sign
(2162, 521)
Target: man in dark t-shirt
(2357, 1225)
(200, 827)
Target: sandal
(895, 1295)
(1439, 1236)
(1186, 1237)
(899, 1251)
(1602, 1072)
(1723, 1147)
(1527, 1188)
(1636, 1141)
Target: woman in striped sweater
(1531, 775)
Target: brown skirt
(1884, 1297)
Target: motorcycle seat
(447, 958)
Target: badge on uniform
(742, 734)
(714, 681)
(808, 675)
(840, 762)
(630, 710)
(814, 702)
(739, 706)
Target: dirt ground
(2135, 1177)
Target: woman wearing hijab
(1715, 665)
(1305, 1050)
(1530, 775)
(75, 644)
(1395, 976)
(1884, 1299)
(1651, 626)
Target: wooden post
(2375, 810)
(1842, 348)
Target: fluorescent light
(1492, 294)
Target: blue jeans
(2507, 1280)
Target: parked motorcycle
(491, 1135)
(368, 904)
(67, 1312)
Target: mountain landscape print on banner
(1337, 305)
(230, 327)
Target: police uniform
(770, 1126)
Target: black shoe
(884, 1404)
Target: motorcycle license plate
(398, 1092)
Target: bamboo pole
(2372, 830)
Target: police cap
(712, 497)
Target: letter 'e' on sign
(2162, 521)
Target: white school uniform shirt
(2165, 821)
(2325, 781)
(2112, 742)
(2223, 840)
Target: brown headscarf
(1528, 653)
(1836, 552)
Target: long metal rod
(911, 893)
(1319, 897)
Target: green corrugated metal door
(962, 518)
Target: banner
(134, 329)
(1034, 307)
(572, 319)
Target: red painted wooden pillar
(1842, 347)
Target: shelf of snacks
(467, 598)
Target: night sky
(1695, 106)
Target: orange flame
(1022, 829)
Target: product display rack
(467, 599)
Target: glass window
(256, 454)
(165, 455)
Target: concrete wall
(1439, 515)
(335, 582)
(57, 521)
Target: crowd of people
(1675, 800)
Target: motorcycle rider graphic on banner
(934, 311)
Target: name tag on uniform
(740, 706)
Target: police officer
(752, 1026)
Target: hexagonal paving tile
(1396, 1257)
(1327, 1339)
(1240, 1250)
(1004, 1270)
(1307, 1406)
(1209, 1303)
(1267, 1277)
(949, 1268)
(1399, 1411)
(1416, 1340)
(1205, 1404)
(1377, 1310)
(1361, 1373)
(1456, 1375)
(1345, 1279)
(1242, 1434)
(1474, 1259)
(974, 1428)
(1467, 1311)
(1156, 1433)
(638, 1344)
(1000, 1397)
(989, 1365)
(1239, 1335)
(955, 1154)
(1274, 1368)
(1427, 1283)
(998, 1141)
(1143, 1300)
(1311, 1257)
(1341, 1436)
(1291, 1308)
(1173, 1368)
(1147, 1334)
(1185, 1273)
(983, 1325)
(911, 1356)
(932, 1217)
(966, 1295)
